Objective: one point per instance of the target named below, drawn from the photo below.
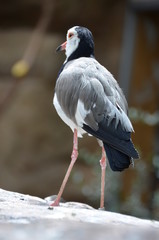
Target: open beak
(61, 47)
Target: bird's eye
(70, 35)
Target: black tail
(118, 161)
(117, 143)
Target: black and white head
(79, 43)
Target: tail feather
(116, 138)
(118, 161)
(117, 143)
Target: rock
(26, 217)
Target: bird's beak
(61, 47)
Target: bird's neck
(74, 56)
(82, 51)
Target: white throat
(72, 43)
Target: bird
(89, 100)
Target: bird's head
(79, 43)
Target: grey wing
(100, 98)
(111, 87)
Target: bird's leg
(103, 168)
(73, 160)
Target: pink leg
(73, 160)
(103, 168)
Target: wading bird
(89, 100)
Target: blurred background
(35, 145)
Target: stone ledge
(27, 217)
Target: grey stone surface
(26, 217)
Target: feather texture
(88, 98)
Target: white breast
(64, 117)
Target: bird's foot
(101, 208)
(54, 204)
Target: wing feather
(90, 94)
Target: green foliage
(138, 115)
